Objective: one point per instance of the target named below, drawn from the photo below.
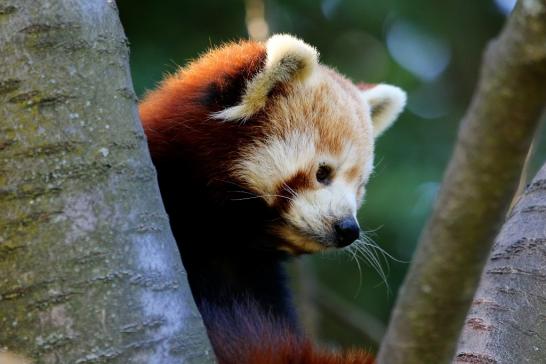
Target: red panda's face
(312, 162)
(299, 135)
(315, 151)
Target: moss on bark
(89, 270)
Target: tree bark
(89, 271)
(479, 183)
(506, 323)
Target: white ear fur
(386, 103)
(287, 58)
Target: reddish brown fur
(178, 93)
(285, 191)
(177, 115)
(176, 118)
(258, 338)
(284, 348)
(294, 351)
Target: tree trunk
(89, 271)
(479, 183)
(506, 323)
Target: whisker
(229, 182)
(374, 261)
(378, 251)
(254, 195)
(355, 258)
(290, 190)
(373, 231)
(369, 242)
(260, 196)
(244, 192)
(368, 250)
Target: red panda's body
(261, 153)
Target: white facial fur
(320, 118)
(264, 164)
(313, 124)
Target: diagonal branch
(480, 181)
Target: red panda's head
(282, 128)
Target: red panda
(262, 153)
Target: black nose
(347, 231)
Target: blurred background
(430, 48)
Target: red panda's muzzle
(296, 240)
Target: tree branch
(89, 270)
(506, 321)
(479, 183)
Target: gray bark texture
(507, 320)
(89, 270)
(478, 186)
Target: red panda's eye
(324, 174)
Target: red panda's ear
(287, 59)
(386, 102)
